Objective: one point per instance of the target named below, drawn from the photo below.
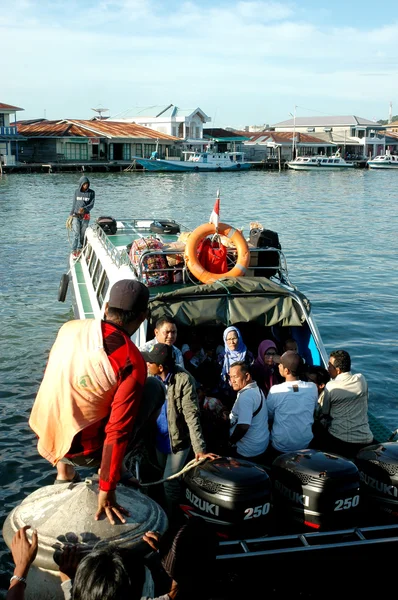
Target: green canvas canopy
(232, 300)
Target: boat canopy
(232, 300)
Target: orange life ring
(191, 252)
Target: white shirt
(255, 441)
(291, 406)
(346, 400)
(177, 354)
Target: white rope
(193, 463)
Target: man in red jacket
(102, 409)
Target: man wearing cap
(178, 425)
(89, 398)
(291, 407)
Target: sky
(242, 62)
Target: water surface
(338, 231)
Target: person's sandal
(76, 479)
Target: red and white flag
(215, 215)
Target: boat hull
(187, 166)
(316, 167)
(380, 165)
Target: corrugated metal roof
(286, 137)
(89, 129)
(9, 107)
(325, 121)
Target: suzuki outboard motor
(378, 471)
(315, 489)
(232, 494)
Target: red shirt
(112, 434)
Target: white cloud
(128, 52)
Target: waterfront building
(357, 137)
(226, 140)
(183, 123)
(86, 140)
(9, 134)
(264, 145)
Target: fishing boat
(257, 295)
(211, 160)
(310, 163)
(384, 161)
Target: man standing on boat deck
(88, 401)
(83, 202)
(345, 406)
(165, 333)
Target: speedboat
(256, 295)
(197, 161)
(384, 161)
(309, 163)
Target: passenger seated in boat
(345, 409)
(291, 407)
(165, 333)
(249, 435)
(235, 350)
(264, 370)
(320, 376)
(290, 344)
(178, 425)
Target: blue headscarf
(232, 356)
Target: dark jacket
(84, 200)
(183, 413)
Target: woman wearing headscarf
(264, 370)
(235, 350)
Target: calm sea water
(338, 232)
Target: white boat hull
(381, 165)
(309, 167)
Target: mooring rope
(190, 465)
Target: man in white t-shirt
(249, 435)
(291, 407)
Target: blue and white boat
(197, 161)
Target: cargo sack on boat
(212, 256)
(108, 224)
(152, 267)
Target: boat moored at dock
(384, 161)
(211, 160)
(309, 163)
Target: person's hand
(68, 561)
(209, 455)
(152, 538)
(107, 503)
(81, 211)
(23, 552)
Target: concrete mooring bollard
(64, 514)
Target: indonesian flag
(215, 215)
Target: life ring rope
(191, 252)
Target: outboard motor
(378, 471)
(232, 494)
(315, 489)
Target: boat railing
(181, 274)
(118, 257)
(178, 272)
